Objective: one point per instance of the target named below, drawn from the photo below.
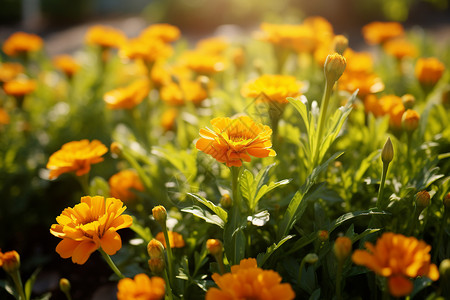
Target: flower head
(19, 87)
(122, 184)
(177, 94)
(141, 287)
(9, 261)
(400, 48)
(105, 36)
(298, 37)
(272, 88)
(76, 156)
(176, 240)
(203, 63)
(214, 45)
(129, 96)
(247, 281)
(90, 225)
(214, 246)
(9, 71)
(165, 32)
(148, 49)
(429, 70)
(233, 140)
(399, 258)
(22, 43)
(379, 32)
(66, 64)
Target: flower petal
(111, 242)
(83, 251)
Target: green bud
(387, 154)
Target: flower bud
(444, 269)
(408, 101)
(10, 261)
(155, 249)
(64, 285)
(214, 246)
(226, 201)
(311, 258)
(340, 44)
(156, 265)
(334, 67)
(387, 154)
(116, 148)
(323, 235)
(422, 200)
(447, 201)
(160, 214)
(342, 248)
(410, 120)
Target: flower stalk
(111, 264)
(15, 275)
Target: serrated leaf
(220, 212)
(205, 215)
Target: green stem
(18, 283)
(169, 286)
(133, 162)
(440, 235)
(300, 272)
(68, 296)
(321, 122)
(381, 188)
(219, 259)
(235, 186)
(111, 264)
(84, 183)
(169, 255)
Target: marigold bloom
(129, 96)
(176, 240)
(429, 70)
(76, 156)
(272, 88)
(4, 117)
(297, 37)
(379, 32)
(19, 87)
(163, 75)
(9, 261)
(90, 225)
(169, 119)
(247, 281)
(185, 90)
(105, 36)
(233, 140)
(399, 258)
(203, 63)
(22, 43)
(400, 48)
(66, 64)
(9, 71)
(122, 184)
(148, 49)
(165, 32)
(213, 45)
(141, 287)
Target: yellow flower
(163, 75)
(400, 48)
(122, 184)
(429, 70)
(148, 49)
(168, 119)
(165, 32)
(214, 45)
(127, 97)
(233, 140)
(9, 71)
(247, 281)
(399, 258)
(4, 117)
(203, 63)
(22, 43)
(141, 288)
(105, 36)
(9, 261)
(66, 64)
(272, 88)
(19, 87)
(185, 90)
(379, 32)
(297, 37)
(176, 240)
(90, 225)
(76, 156)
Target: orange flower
(186, 90)
(203, 63)
(9, 261)
(90, 225)
(165, 32)
(122, 183)
(247, 281)
(147, 49)
(9, 71)
(400, 48)
(76, 156)
(142, 287)
(379, 32)
(19, 87)
(296, 37)
(429, 70)
(127, 97)
(399, 258)
(176, 240)
(66, 64)
(214, 45)
(387, 105)
(4, 117)
(105, 36)
(272, 88)
(22, 43)
(233, 140)
(168, 119)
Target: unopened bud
(311, 258)
(226, 201)
(422, 200)
(214, 247)
(323, 235)
(116, 148)
(10, 261)
(408, 101)
(387, 154)
(410, 120)
(160, 214)
(444, 269)
(342, 248)
(447, 201)
(156, 265)
(64, 285)
(340, 44)
(155, 249)
(334, 67)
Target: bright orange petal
(400, 286)
(111, 242)
(66, 247)
(83, 251)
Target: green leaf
(143, 232)
(233, 236)
(302, 242)
(220, 212)
(30, 282)
(351, 215)
(205, 215)
(302, 109)
(271, 249)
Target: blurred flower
(19, 87)
(213, 45)
(214, 246)
(429, 70)
(387, 105)
(410, 120)
(185, 90)
(4, 117)
(156, 265)
(9, 71)
(76, 156)
(238, 57)
(323, 235)
(400, 48)
(9, 261)
(165, 32)
(148, 49)
(176, 240)
(141, 287)
(203, 63)
(162, 74)
(379, 32)
(342, 248)
(297, 37)
(66, 64)
(272, 88)
(399, 258)
(90, 225)
(233, 140)
(22, 43)
(155, 249)
(340, 43)
(422, 200)
(169, 119)
(226, 201)
(129, 96)
(105, 36)
(122, 184)
(408, 101)
(160, 214)
(247, 281)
